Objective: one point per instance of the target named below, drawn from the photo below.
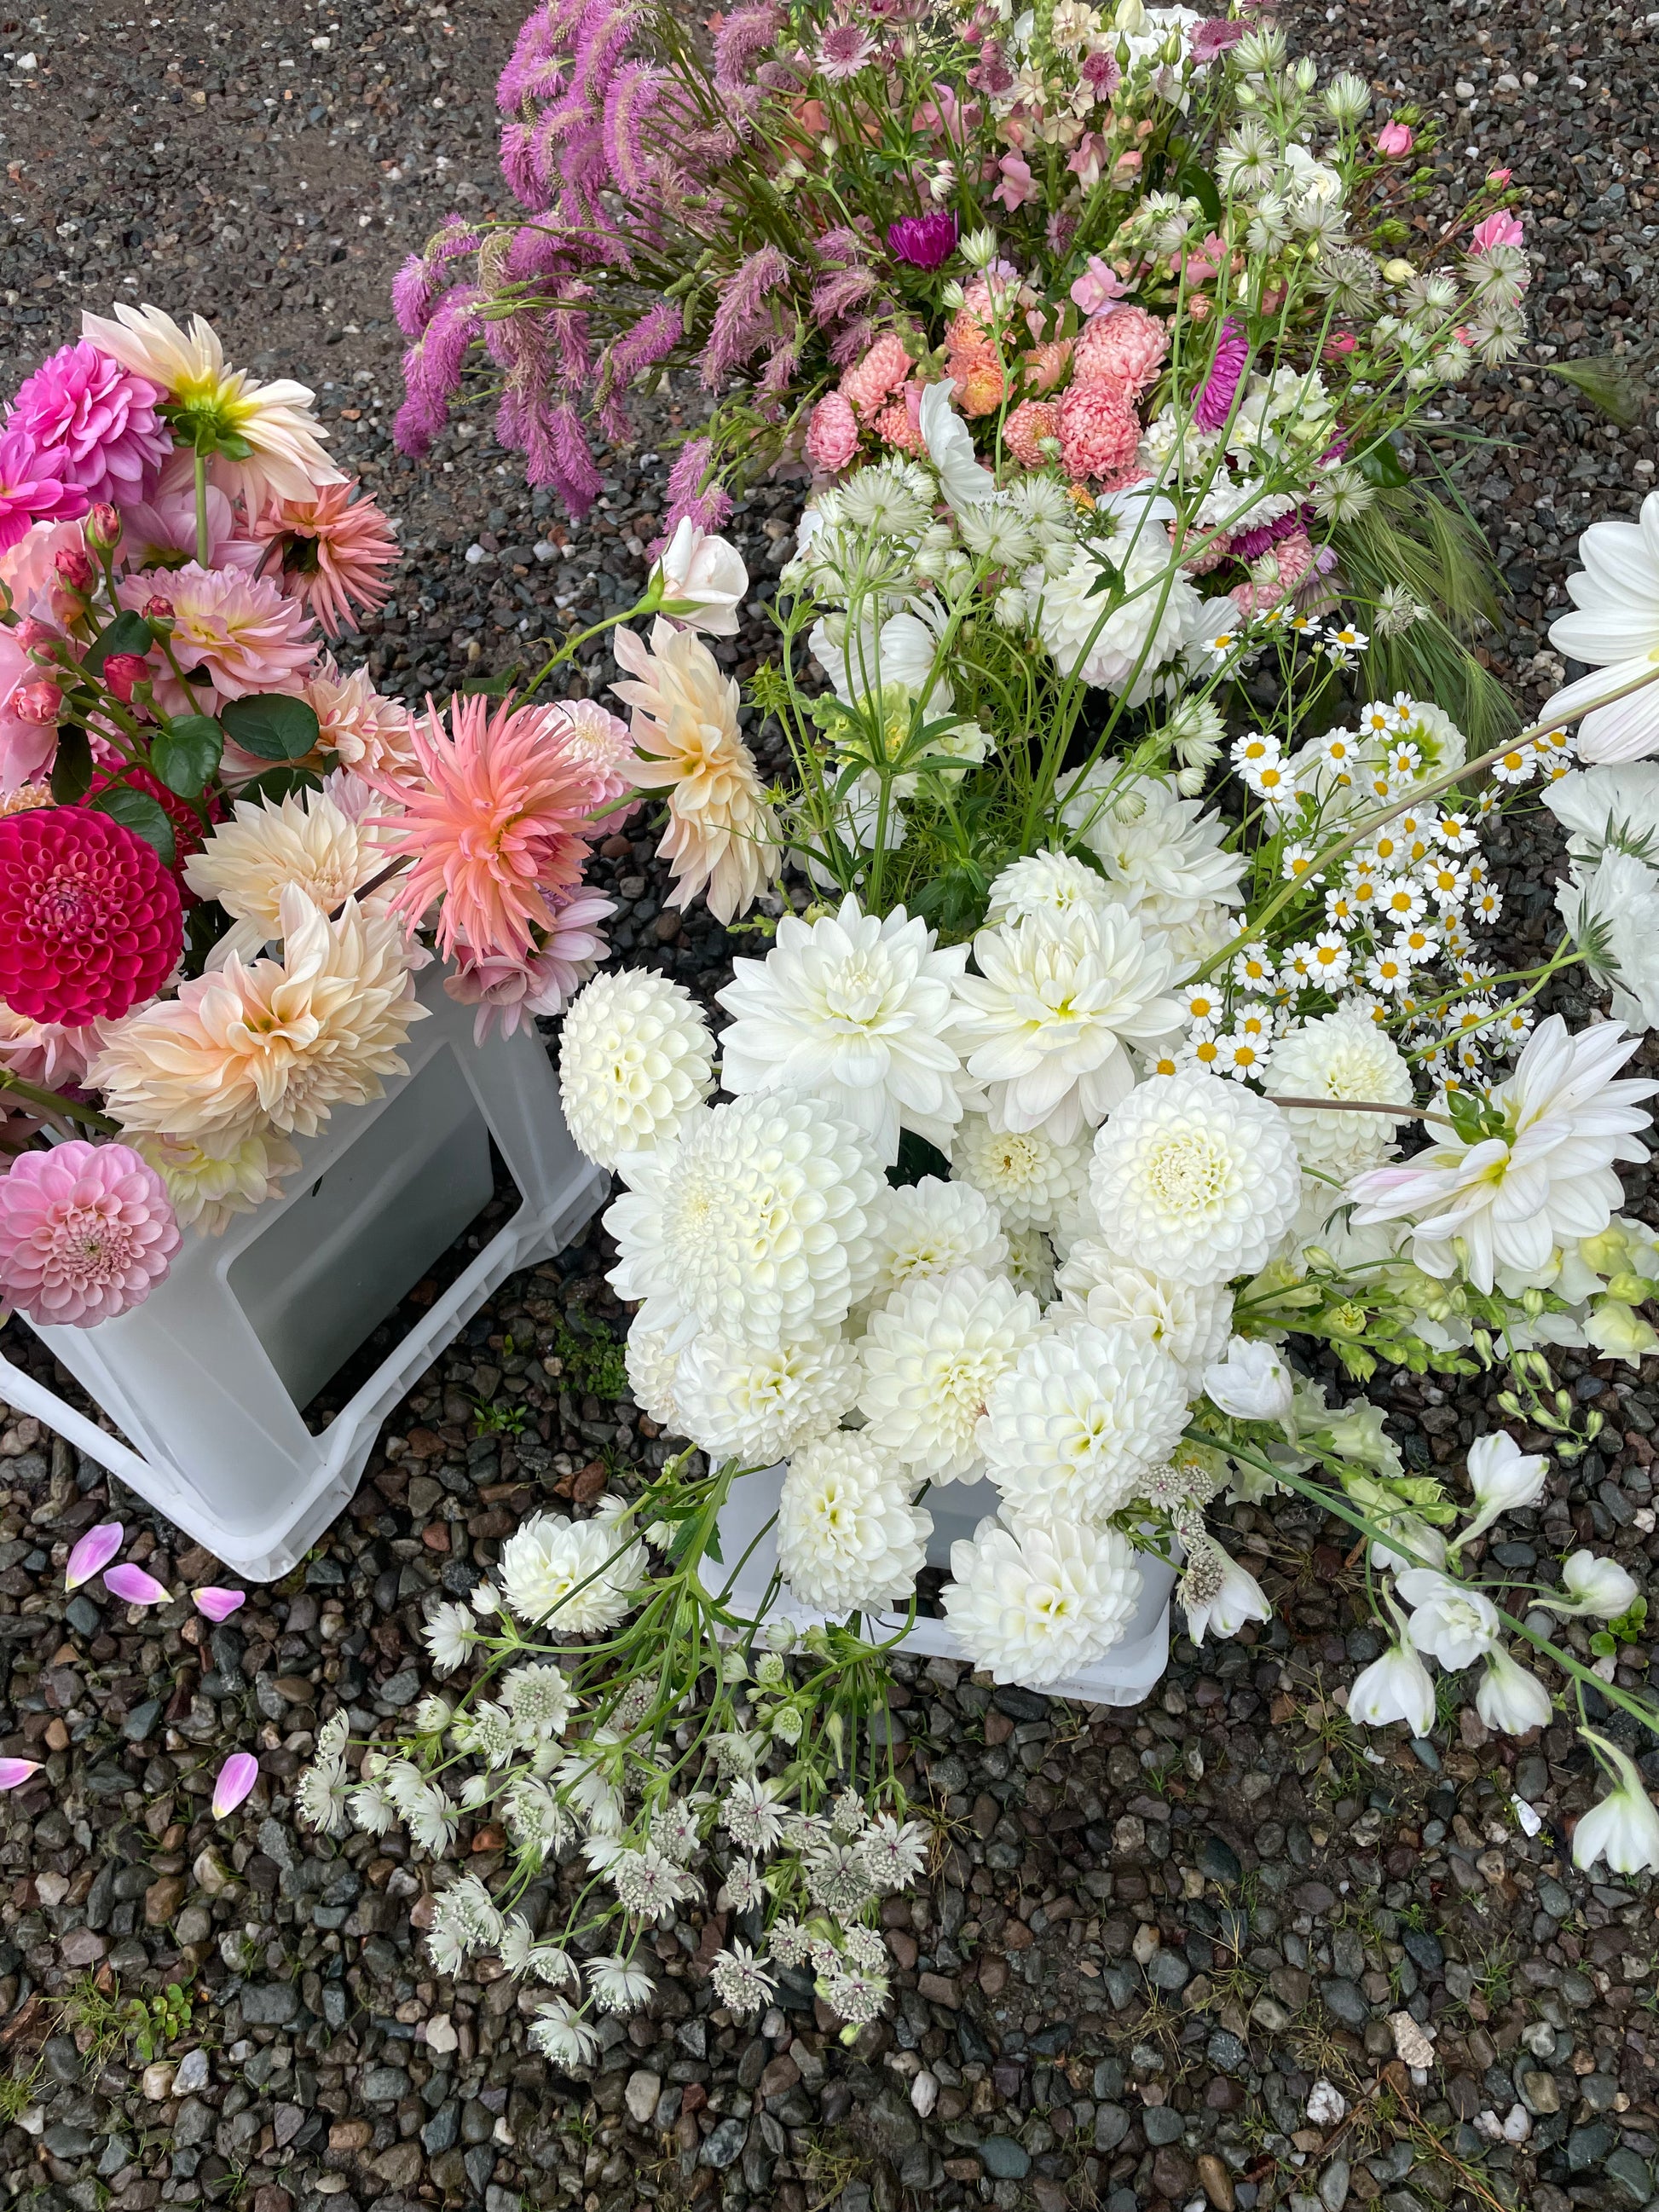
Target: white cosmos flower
(1395, 1687)
(1508, 1200)
(1191, 1321)
(1504, 1479)
(1045, 882)
(892, 658)
(1341, 1056)
(1034, 1607)
(849, 1537)
(1600, 1587)
(1028, 1175)
(1615, 626)
(757, 1404)
(931, 1359)
(1623, 1829)
(1599, 806)
(1451, 1622)
(1071, 1426)
(1198, 1173)
(1058, 1000)
(929, 1228)
(581, 1573)
(1218, 1596)
(1119, 639)
(855, 1010)
(1617, 902)
(635, 1061)
(1509, 1698)
(1252, 1384)
(707, 572)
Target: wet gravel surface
(1150, 1935)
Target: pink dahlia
(599, 744)
(90, 921)
(881, 371)
(832, 435)
(86, 1232)
(31, 488)
(159, 532)
(1045, 365)
(507, 989)
(495, 819)
(1098, 431)
(1032, 421)
(333, 550)
(240, 628)
(898, 424)
(98, 417)
(1125, 349)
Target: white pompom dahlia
(1046, 882)
(1080, 1416)
(1197, 1173)
(582, 1574)
(755, 1223)
(931, 1359)
(1035, 1607)
(1027, 1174)
(1341, 1056)
(741, 1402)
(849, 1537)
(1190, 1320)
(635, 1061)
(930, 1228)
(652, 1367)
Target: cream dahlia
(209, 1188)
(1190, 1321)
(634, 1063)
(581, 1574)
(1045, 882)
(1198, 1173)
(1028, 1175)
(1161, 854)
(1119, 639)
(248, 862)
(931, 1357)
(740, 1401)
(1078, 1417)
(930, 1228)
(849, 1540)
(366, 732)
(1341, 1056)
(1035, 1607)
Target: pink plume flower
(235, 1779)
(14, 1772)
(1395, 140)
(133, 1586)
(216, 1603)
(1098, 431)
(1125, 350)
(86, 1233)
(93, 1554)
(832, 435)
(98, 418)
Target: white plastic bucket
(1123, 1677)
(206, 1377)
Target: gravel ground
(1149, 1935)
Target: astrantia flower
(282, 1042)
(739, 1982)
(1117, 639)
(932, 1357)
(1190, 1321)
(737, 1401)
(893, 1852)
(1341, 1056)
(560, 2034)
(333, 550)
(238, 628)
(1614, 627)
(929, 1228)
(96, 418)
(86, 1233)
(1217, 1595)
(1034, 1608)
(756, 1223)
(1029, 1175)
(449, 1634)
(855, 1008)
(1070, 1428)
(635, 1061)
(493, 822)
(721, 837)
(1056, 1001)
(619, 1985)
(1545, 1179)
(1198, 1172)
(247, 863)
(90, 920)
(208, 1187)
(285, 457)
(581, 1574)
(1045, 882)
(849, 1537)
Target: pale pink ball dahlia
(1125, 350)
(1098, 431)
(1032, 421)
(90, 920)
(832, 435)
(98, 418)
(1046, 364)
(883, 369)
(86, 1233)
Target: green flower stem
(56, 1106)
(204, 543)
(649, 604)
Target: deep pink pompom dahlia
(90, 920)
(84, 406)
(86, 1232)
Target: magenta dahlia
(100, 418)
(90, 920)
(32, 489)
(86, 1232)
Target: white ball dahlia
(931, 1359)
(1198, 1173)
(930, 1228)
(1028, 1175)
(856, 1009)
(755, 1223)
(1035, 1607)
(849, 1540)
(581, 1573)
(1149, 622)
(652, 1365)
(1078, 1419)
(1190, 1320)
(1161, 854)
(741, 1402)
(1045, 882)
(635, 1060)
(1030, 1263)
(1339, 1056)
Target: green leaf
(1194, 181)
(136, 811)
(127, 633)
(271, 726)
(491, 687)
(186, 753)
(71, 768)
(1608, 383)
(274, 785)
(1380, 464)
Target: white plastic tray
(1123, 1677)
(206, 1377)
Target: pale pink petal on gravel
(218, 1604)
(13, 1770)
(236, 1777)
(94, 1552)
(133, 1584)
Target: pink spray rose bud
(156, 609)
(1499, 178)
(13, 1770)
(103, 528)
(74, 568)
(93, 1554)
(35, 637)
(218, 1604)
(122, 670)
(236, 1777)
(39, 702)
(1395, 140)
(134, 1585)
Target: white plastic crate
(1123, 1677)
(206, 1377)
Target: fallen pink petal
(236, 1777)
(93, 1554)
(216, 1603)
(134, 1585)
(15, 1770)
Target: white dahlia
(1162, 853)
(931, 1360)
(755, 1223)
(740, 1401)
(1190, 1320)
(1081, 1415)
(848, 1538)
(930, 1228)
(581, 1573)
(856, 1009)
(1056, 1002)
(1032, 1263)
(1028, 1175)
(1198, 1173)
(1035, 1607)
(1339, 1056)
(1148, 624)
(652, 1367)
(635, 1060)
(1045, 882)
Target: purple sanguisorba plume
(420, 282)
(741, 324)
(1215, 401)
(926, 241)
(742, 39)
(433, 368)
(633, 94)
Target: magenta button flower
(13, 1770)
(236, 1777)
(218, 1604)
(133, 1584)
(926, 241)
(93, 1554)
